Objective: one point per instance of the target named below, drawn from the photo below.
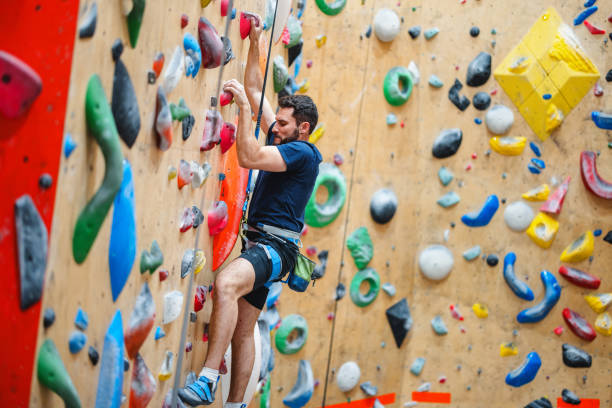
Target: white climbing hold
(386, 24)
(348, 376)
(436, 262)
(173, 304)
(424, 387)
(518, 216)
(499, 119)
(414, 72)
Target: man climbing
(288, 167)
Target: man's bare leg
(243, 350)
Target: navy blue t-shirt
(279, 198)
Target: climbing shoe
(201, 392)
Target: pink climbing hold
(598, 90)
(228, 136)
(20, 85)
(200, 298)
(311, 250)
(285, 36)
(226, 98)
(555, 200)
(217, 218)
(308, 63)
(455, 312)
(188, 347)
(558, 330)
(212, 130)
(338, 159)
(591, 178)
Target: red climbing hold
(580, 278)
(223, 368)
(558, 330)
(213, 50)
(200, 298)
(286, 36)
(455, 313)
(598, 90)
(163, 275)
(20, 85)
(591, 178)
(555, 201)
(593, 30)
(184, 20)
(228, 136)
(245, 23)
(158, 64)
(579, 325)
(224, 6)
(226, 98)
(217, 218)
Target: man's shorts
(263, 265)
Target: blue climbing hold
(597, 233)
(81, 320)
(533, 169)
(122, 248)
(110, 381)
(233, 13)
(478, 121)
(193, 55)
(589, 3)
(69, 145)
(303, 389)
(584, 15)
(602, 120)
(551, 297)
(535, 148)
(539, 163)
(519, 287)
(526, 372)
(546, 96)
(77, 341)
(484, 215)
(159, 333)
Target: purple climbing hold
(32, 250)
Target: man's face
(286, 129)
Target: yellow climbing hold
(304, 87)
(509, 145)
(540, 193)
(320, 40)
(547, 61)
(543, 230)
(580, 249)
(199, 261)
(508, 349)
(480, 310)
(599, 303)
(317, 134)
(205, 3)
(171, 172)
(603, 324)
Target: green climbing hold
(280, 73)
(331, 9)
(150, 261)
(361, 247)
(397, 86)
(101, 125)
(320, 215)
(264, 397)
(180, 111)
(134, 20)
(288, 325)
(370, 276)
(53, 375)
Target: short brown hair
(304, 109)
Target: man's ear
(304, 128)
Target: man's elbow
(244, 162)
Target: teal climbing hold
(53, 375)
(331, 8)
(449, 199)
(395, 94)
(101, 125)
(288, 325)
(151, 260)
(361, 247)
(445, 176)
(320, 215)
(472, 253)
(370, 276)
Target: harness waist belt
(281, 232)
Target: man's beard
(292, 138)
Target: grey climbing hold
(386, 24)
(445, 176)
(481, 101)
(540, 403)
(319, 270)
(389, 289)
(435, 81)
(414, 32)
(45, 181)
(499, 119)
(348, 376)
(124, 105)
(438, 325)
(479, 70)
(436, 262)
(492, 260)
(87, 26)
(187, 126)
(460, 101)
(570, 397)
(400, 321)
(383, 205)
(369, 389)
(575, 357)
(447, 143)
(32, 247)
(474, 31)
(518, 216)
(472, 253)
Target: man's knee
(234, 281)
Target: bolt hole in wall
(323, 194)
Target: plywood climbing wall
(346, 83)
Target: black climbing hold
(447, 143)
(117, 49)
(481, 101)
(540, 403)
(414, 32)
(93, 354)
(383, 205)
(188, 123)
(151, 77)
(570, 397)
(479, 70)
(492, 260)
(295, 51)
(125, 105)
(229, 53)
(48, 317)
(368, 32)
(45, 181)
(609, 76)
(575, 357)
(474, 31)
(87, 28)
(319, 270)
(608, 237)
(460, 101)
(126, 364)
(198, 217)
(31, 249)
(400, 321)
(340, 291)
